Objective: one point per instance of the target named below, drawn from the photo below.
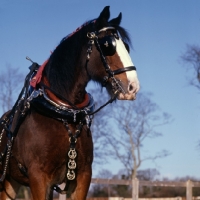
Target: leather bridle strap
(122, 70)
(103, 59)
(93, 37)
(115, 83)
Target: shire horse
(45, 139)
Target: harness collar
(55, 100)
(46, 106)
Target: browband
(105, 29)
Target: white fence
(136, 183)
(189, 185)
(121, 198)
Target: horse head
(110, 63)
(99, 51)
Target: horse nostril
(130, 87)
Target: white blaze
(127, 62)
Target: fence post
(189, 190)
(135, 189)
(26, 195)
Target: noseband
(107, 47)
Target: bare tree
(10, 80)
(192, 58)
(97, 128)
(124, 126)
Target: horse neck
(68, 79)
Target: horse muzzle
(131, 93)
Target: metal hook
(27, 58)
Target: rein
(18, 114)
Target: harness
(38, 99)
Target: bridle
(107, 47)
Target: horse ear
(102, 20)
(117, 20)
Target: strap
(60, 191)
(37, 78)
(61, 102)
(122, 70)
(109, 101)
(58, 95)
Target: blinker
(108, 45)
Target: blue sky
(160, 31)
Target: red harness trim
(54, 98)
(37, 78)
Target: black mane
(61, 70)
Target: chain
(72, 153)
(9, 144)
(117, 88)
(2, 132)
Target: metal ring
(75, 140)
(91, 35)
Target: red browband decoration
(79, 28)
